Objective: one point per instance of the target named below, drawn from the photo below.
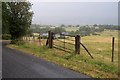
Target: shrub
(17, 42)
(95, 34)
(6, 36)
(44, 37)
(0, 36)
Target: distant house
(96, 27)
(64, 33)
(35, 34)
(44, 34)
(57, 35)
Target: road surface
(16, 64)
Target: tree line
(83, 31)
(46, 29)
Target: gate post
(50, 39)
(113, 40)
(77, 44)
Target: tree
(19, 18)
(69, 25)
(59, 30)
(72, 33)
(77, 25)
(0, 19)
(62, 25)
(95, 25)
(5, 16)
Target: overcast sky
(74, 13)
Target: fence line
(65, 42)
(63, 47)
(76, 45)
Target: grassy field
(71, 29)
(99, 46)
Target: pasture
(68, 29)
(99, 46)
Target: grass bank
(100, 47)
(80, 63)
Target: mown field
(98, 45)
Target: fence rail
(64, 47)
(51, 42)
(61, 49)
(74, 43)
(64, 42)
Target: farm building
(35, 34)
(44, 34)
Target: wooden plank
(61, 49)
(64, 42)
(86, 50)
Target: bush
(6, 36)
(95, 34)
(0, 36)
(44, 37)
(61, 37)
(39, 37)
(17, 42)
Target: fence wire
(64, 44)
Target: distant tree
(5, 18)
(77, 32)
(85, 30)
(69, 25)
(19, 18)
(72, 33)
(0, 19)
(95, 25)
(62, 25)
(59, 30)
(77, 25)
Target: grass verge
(80, 63)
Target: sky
(73, 13)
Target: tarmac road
(16, 64)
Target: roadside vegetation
(100, 47)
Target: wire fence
(63, 43)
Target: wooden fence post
(34, 39)
(39, 39)
(77, 44)
(26, 37)
(29, 37)
(113, 40)
(50, 39)
(64, 41)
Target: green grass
(99, 46)
(71, 29)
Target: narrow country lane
(16, 64)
